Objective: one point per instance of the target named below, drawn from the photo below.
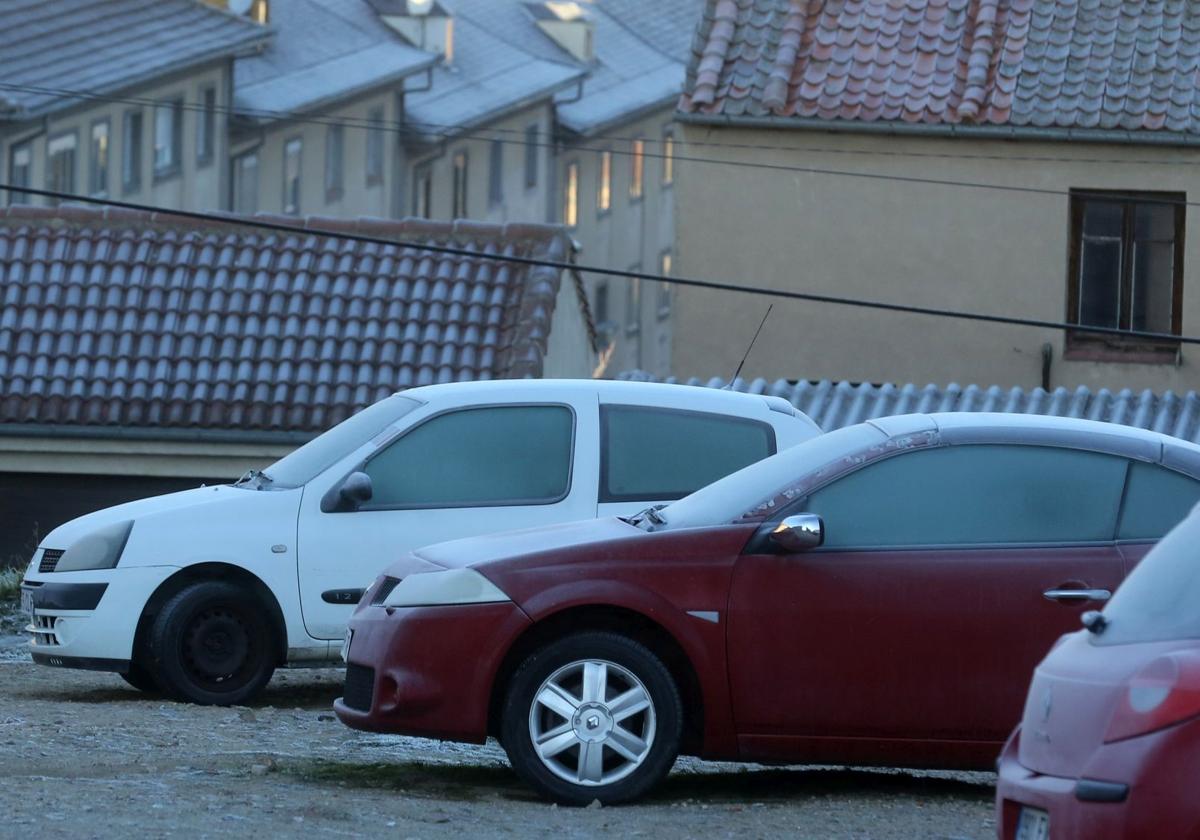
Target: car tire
(141, 679)
(212, 644)
(606, 713)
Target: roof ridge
(979, 61)
(776, 90)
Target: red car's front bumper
(1149, 801)
(426, 670)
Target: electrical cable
(264, 224)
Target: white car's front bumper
(88, 619)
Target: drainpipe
(1047, 359)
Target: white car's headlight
(98, 550)
(453, 586)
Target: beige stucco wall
(633, 233)
(196, 186)
(358, 198)
(519, 203)
(984, 250)
(134, 457)
(568, 354)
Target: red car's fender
(702, 587)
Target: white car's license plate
(27, 603)
(1033, 825)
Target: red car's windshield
(1158, 601)
(728, 499)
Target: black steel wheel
(212, 644)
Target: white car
(204, 593)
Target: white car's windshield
(313, 458)
(727, 499)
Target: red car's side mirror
(800, 532)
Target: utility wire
(264, 224)
(415, 128)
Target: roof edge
(172, 434)
(1122, 137)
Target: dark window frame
(97, 185)
(532, 133)
(637, 169)
(460, 170)
(73, 174)
(423, 191)
(237, 178)
(496, 173)
(570, 483)
(606, 497)
(133, 141)
(604, 182)
(174, 167)
(27, 147)
(1087, 346)
(295, 209)
(571, 179)
(373, 151)
(335, 162)
(206, 126)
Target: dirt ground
(84, 755)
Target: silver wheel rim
(592, 722)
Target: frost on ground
(84, 755)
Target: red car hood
(491, 548)
(1072, 697)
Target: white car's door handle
(1077, 594)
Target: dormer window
(424, 24)
(567, 24)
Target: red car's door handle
(1078, 594)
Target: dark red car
(1109, 746)
(876, 595)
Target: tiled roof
(126, 319)
(323, 51)
(1120, 65)
(103, 46)
(836, 404)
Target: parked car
(203, 593)
(875, 595)
(1109, 745)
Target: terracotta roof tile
(1111, 64)
(118, 318)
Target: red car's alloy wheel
(592, 716)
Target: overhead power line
(562, 265)
(516, 137)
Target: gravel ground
(83, 755)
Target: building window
(571, 195)
(531, 156)
(98, 159)
(374, 154)
(637, 161)
(245, 183)
(334, 138)
(459, 204)
(168, 133)
(496, 174)
(604, 185)
(20, 171)
(423, 193)
(664, 289)
(206, 126)
(1126, 272)
(633, 301)
(60, 164)
(131, 152)
(600, 305)
(668, 158)
(292, 151)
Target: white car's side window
(494, 455)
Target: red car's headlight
(1164, 693)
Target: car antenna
(729, 384)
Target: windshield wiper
(650, 515)
(257, 478)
